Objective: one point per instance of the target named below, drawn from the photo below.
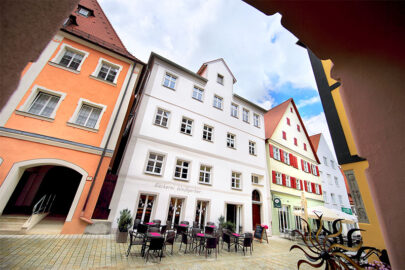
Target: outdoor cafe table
(201, 240)
(149, 237)
(236, 238)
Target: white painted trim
(34, 92)
(188, 169)
(17, 170)
(172, 74)
(105, 61)
(163, 165)
(82, 102)
(65, 47)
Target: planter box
(122, 237)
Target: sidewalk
(101, 252)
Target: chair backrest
(248, 234)
(210, 223)
(142, 228)
(157, 221)
(209, 230)
(247, 241)
(163, 229)
(195, 231)
(195, 224)
(185, 222)
(154, 229)
(156, 243)
(170, 237)
(211, 242)
(136, 223)
(226, 238)
(181, 229)
(169, 224)
(184, 238)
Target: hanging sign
(276, 203)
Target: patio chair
(245, 243)
(137, 238)
(227, 239)
(185, 222)
(169, 224)
(141, 230)
(209, 230)
(154, 229)
(248, 234)
(210, 223)
(185, 239)
(210, 244)
(136, 223)
(155, 245)
(194, 238)
(170, 239)
(163, 229)
(157, 222)
(180, 230)
(195, 224)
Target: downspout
(82, 217)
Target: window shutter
(313, 187)
(281, 155)
(305, 186)
(302, 165)
(274, 177)
(291, 159)
(293, 183)
(317, 171)
(283, 177)
(271, 150)
(320, 189)
(302, 186)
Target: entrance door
(283, 217)
(145, 206)
(175, 210)
(201, 213)
(256, 208)
(233, 214)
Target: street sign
(347, 210)
(277, 203)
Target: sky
(263, 56)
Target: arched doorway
(256, 205)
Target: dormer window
(84, 11)
(220, 79)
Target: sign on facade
(347, 210)
(357, 199)
(277, 203)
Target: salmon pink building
(61, 126)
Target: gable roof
(315, 140)
(272, 119)
(204, 66)
(96, 28)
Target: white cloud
(262, 55)
(306, 102)
(317, 124)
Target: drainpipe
(82, 217)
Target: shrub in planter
(124, 223)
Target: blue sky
(269, 67)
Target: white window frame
(170, 74)
(256, 120)
(317, 190)
(82, 102)
(276, 153)
(208, 132)
(286, 157)
(252, 148)
(205, 170)
(198, 93)
(309, 187)
(218, 100)
(313, 167)
(182, 167)
(255, 176)
(220, 79)
(162, 117)
(306, 167)
(336, 181)
(234, 110)
(185, 122)
(102, 61)
(245, 115)
(231, 140)
(29, 101)
(236, 177)
(148, 159)
(332, 195)
(279, 179)
(325, 161)
(63, 48)
(298, 184)
(287, 181)
(85, 9)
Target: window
(332, 164)
(306, 168)
(186, 126)
(325, 161)
(325, 196)
(145, 207)
(305, 146)
(246, 115)
(336, 181)
(291, 109)
(317, 191)
(284, 135)
(255, 179)
(286, 157)
(88, 116)
(313, 168)
(220, 79)
(169, 81)
(234, 110)
(236, 180)
(155, 164)
(276, 153)
(256, 120)
(329, 179)
(198, 93)
(71, 59)
(181, 170)
(218, 102)
(340, 199)
(252, 148)
(298, 128)
(278, 178)
(288, 121)
(287, 181)
(84, 11)
(205, 174)
(298, 183)
(162, 117)
(44, 104)
(332, 195)
(295, 141)
(207, 133)
(230, 140)
(107, 72)
(309, 186)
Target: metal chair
(195, 224)
(245, 243)
(227, 239)
(211, 243)
(169, 224)
(209, 230)
(138, 237)
(155, 245)
(163, 230)
(154, 229)
(184, 240)
(170, 239)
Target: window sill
(247, 122)
(205, 184)
(173, 89)
(255, 155)
(160, 125)
(186, 134)
(63, 67)
(258, 184)
(238, 189)
(22, 113)
(181, 179)
(234, 148)
(70, 124)
(208, 140)
(152, 173)
(200, 100)
(101, 80)
(235, 116)
(218, 108)
(256, 126)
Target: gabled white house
(197, 150)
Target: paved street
(101, 252)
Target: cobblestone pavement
(102, 252)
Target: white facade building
(197, 151)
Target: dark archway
(256, 205)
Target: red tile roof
(97, 29)
(315, 140)
(272, 119)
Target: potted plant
(124, 223)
